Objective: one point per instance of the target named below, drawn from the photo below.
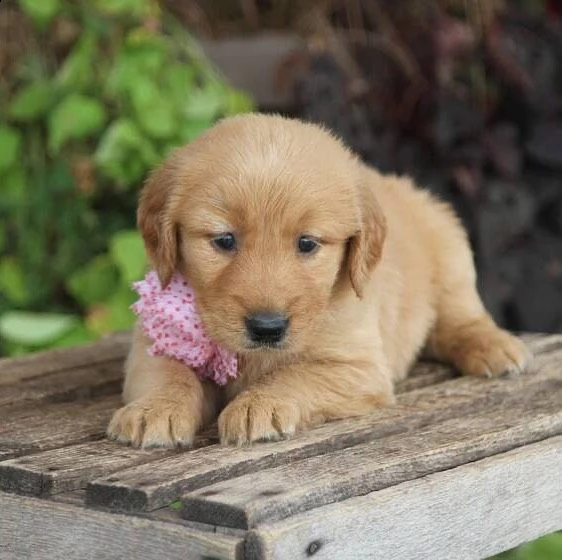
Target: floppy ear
(365, 247)
(155, 221)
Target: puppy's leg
(302, 395)
(464, 334)
(166, 402)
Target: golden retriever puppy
(326, 278)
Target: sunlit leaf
(127, 251)
(41, 11)
(35, 329)
(76, 336)
(136, 8)
(189, 130)
(155, 115)
(204, 103)
(76, 117)
(237, 102)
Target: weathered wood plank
(169, 514)
(111, 348)
(78, 383)
(33, 528)
(65, 469)
(69, 468)
(425, 374)
(145, 488)
(248, 501)
(54, 425)
(469, 512)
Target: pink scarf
(169, 318)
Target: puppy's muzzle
(266, 328)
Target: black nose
(266, 327)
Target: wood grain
(425, 374)
(33, 528)
(54, 425)
(274, 494)
(113, 347)
(69, 468)
(82, 382)
(469, 512)
(149, 487)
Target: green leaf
(545, 548)
(237, 102)
(13, 187)
(124, 154)
(191, 129)
(41, 11)
(31, 102)
(35, 329)
(142, 58)
(127, 250)
(78, 335)
(78, 70)
(155, 115)
(136, 8)
(12, 281)
(10, 142)
(176, 505)
(76, 117)
(205, 103)
(178, 81)
(94, 282)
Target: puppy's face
(267, 218)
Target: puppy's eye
(225, 242)
(307, 245)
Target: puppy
(326, 278)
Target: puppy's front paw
(155, 421)
(254, 416)
(489, 351)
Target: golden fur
(394, 275)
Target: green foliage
(548, 547)
(74, 118)
(35, 329)
(42, 11)
(81, 126)
(10, 142)
(176, 505)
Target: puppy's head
(268, 219)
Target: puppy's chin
(280, 346)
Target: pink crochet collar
(170, 319)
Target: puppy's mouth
(254, 346)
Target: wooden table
(460, 468)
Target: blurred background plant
(93, 94)
(465, 95)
